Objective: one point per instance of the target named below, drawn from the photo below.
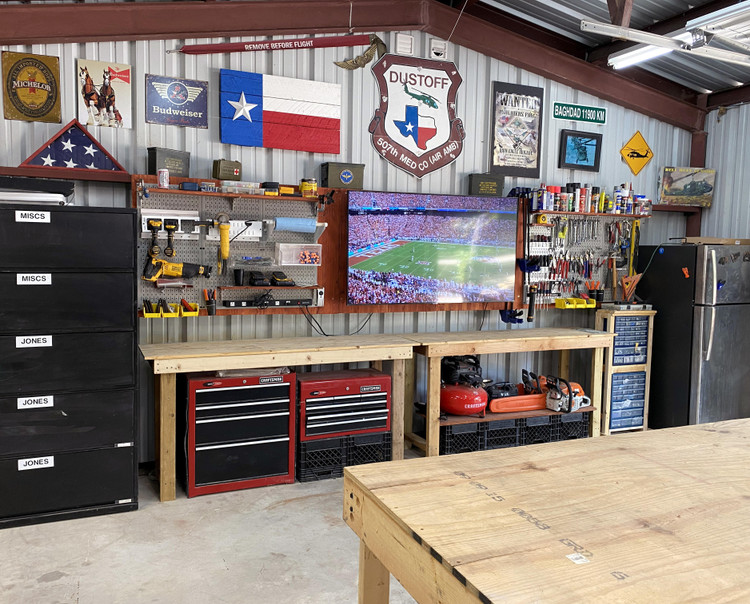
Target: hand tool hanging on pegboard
(221, 221)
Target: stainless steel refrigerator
(700, 365)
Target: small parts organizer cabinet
(626, 369)
(239, 432)
(67, 374)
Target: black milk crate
(539, 429)
(368, 448)
(502, 433)
(572, 425)
(462, 438)
(321, 459)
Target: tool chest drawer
(244, 461)
(67, 237)
(66, 481)
(241, 427)
(628, 400)
(58, 422)
(631, 342)
(66, 301)
(61, 362)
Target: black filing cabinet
(67, 362)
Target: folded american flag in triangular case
(73, 148)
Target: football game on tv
(409, 248)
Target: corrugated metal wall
(671, 146)
(728, 154)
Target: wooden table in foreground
(658, 516)
(437, 345)
(170, 359)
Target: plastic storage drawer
(631, 342)
(66, 302)
(70, 237)
(65, 481)
(73, 421)
(74, 361)
(627, 400)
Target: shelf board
(220, 287)
(454, 420)
(602, 214)
(152, 190)
(662, 207)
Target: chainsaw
(565, 396)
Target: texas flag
(259, 110)
(418, 127)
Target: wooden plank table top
(168, 360)
(657, 516)
(516, 340)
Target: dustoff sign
(579, 113)
(415, 125)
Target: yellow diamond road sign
(636, 153)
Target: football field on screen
(483, 265)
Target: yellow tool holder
(575, 303)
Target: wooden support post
(597, 365)
(397, 408)
(165, 414)
(374, 578)
(432, 420)
(409, 391)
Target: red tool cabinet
(239, 432)
(338, 403)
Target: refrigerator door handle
(714, 283)
(711, 334)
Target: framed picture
(687, 186)
(580, 150)
(516, 130)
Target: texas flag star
(242, 107)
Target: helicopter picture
(687, 186)
(422, 97)
(638, 154)
(580, 150)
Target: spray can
(162, 177)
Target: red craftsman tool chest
(239, 432)
(337, 403)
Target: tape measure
(541, 219)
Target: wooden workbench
(437, 345)
(657, 516)
(170, 359)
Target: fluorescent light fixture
(679, 41)
(633, 57)
(725, 16)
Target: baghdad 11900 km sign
(415, 126)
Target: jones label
(36, 463)
(31, 216)
(34, 279)
(35, 402)
(33, 341)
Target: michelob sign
(31, 87)
(579, 113)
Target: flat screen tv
(408, 248)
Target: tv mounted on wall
(409, 248)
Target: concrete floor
(280, 544)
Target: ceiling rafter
(620, 11)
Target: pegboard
(572, 249)
(193, 245)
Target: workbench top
(657, 516)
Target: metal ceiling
(562, 18)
